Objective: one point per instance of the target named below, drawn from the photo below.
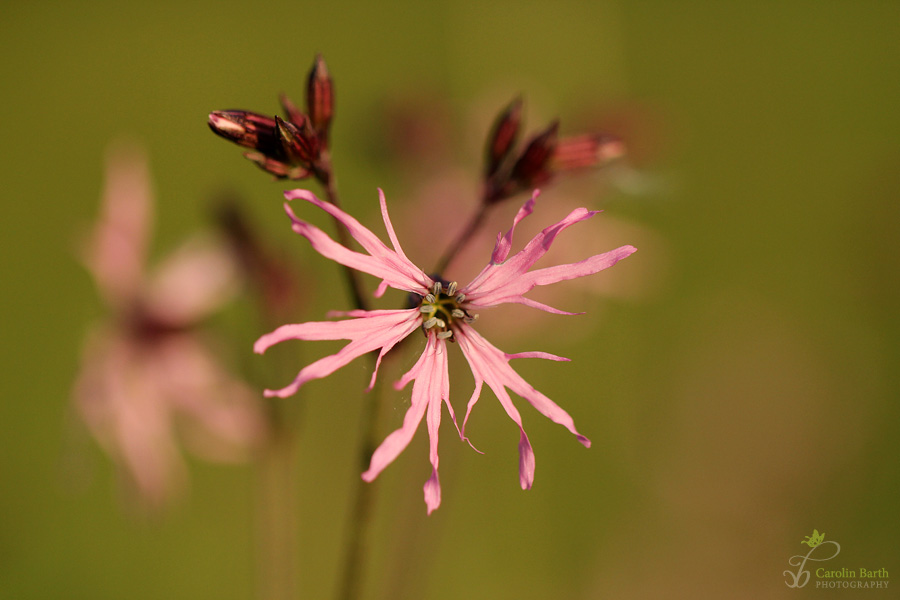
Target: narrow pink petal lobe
(504, 244)
(432, 492)
(514, 291)
(117, 249)
(367, 331)
(526, 462)
(430, 390)
(389, 265)
(499, 283)
(490, 365)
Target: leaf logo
(815, 539)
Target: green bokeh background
(747, 395)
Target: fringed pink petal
(526, 462)
(538, 354)
(484, 373)
(117, 249)
(432, 491)
(381, 289)
(438, 391)
(363, 322)
(192, 282)
(360, 232)
(491, 366)
(504, 242)
(504, 245)
(397, 441)
(225, 411)
(389, 227)
(432, 384)
(473, 399)
(588, 266)
(519, 299)
(514, 290)
(386, 264)
(496, 278)
(367, 331)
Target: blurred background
(737, 375)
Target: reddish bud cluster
(289, 148)
(544, 156)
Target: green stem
(276, 521)
(360, 518)
(325, 176)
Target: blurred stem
(276, 519)
(354, 558)
(462, 239)
(325, 175)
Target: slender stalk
(355, 553)
(276, 519)
(353, 568)
(463, 238)
(325, 175)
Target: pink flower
(444, 312)
(146, 371)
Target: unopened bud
(247, 129)
(586, 151)
(532, 167)
(320, 98)
(300, 143)
(503, 137)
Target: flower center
(441, 308)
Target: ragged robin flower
(150, 380)
(444, 312)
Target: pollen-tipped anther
(434, 322)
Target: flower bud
(586, 151)
(320, 98)
(247, 129)
(532, 168)
(503, 137)
(300, 143)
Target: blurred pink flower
(444, 312)
(146, 371)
